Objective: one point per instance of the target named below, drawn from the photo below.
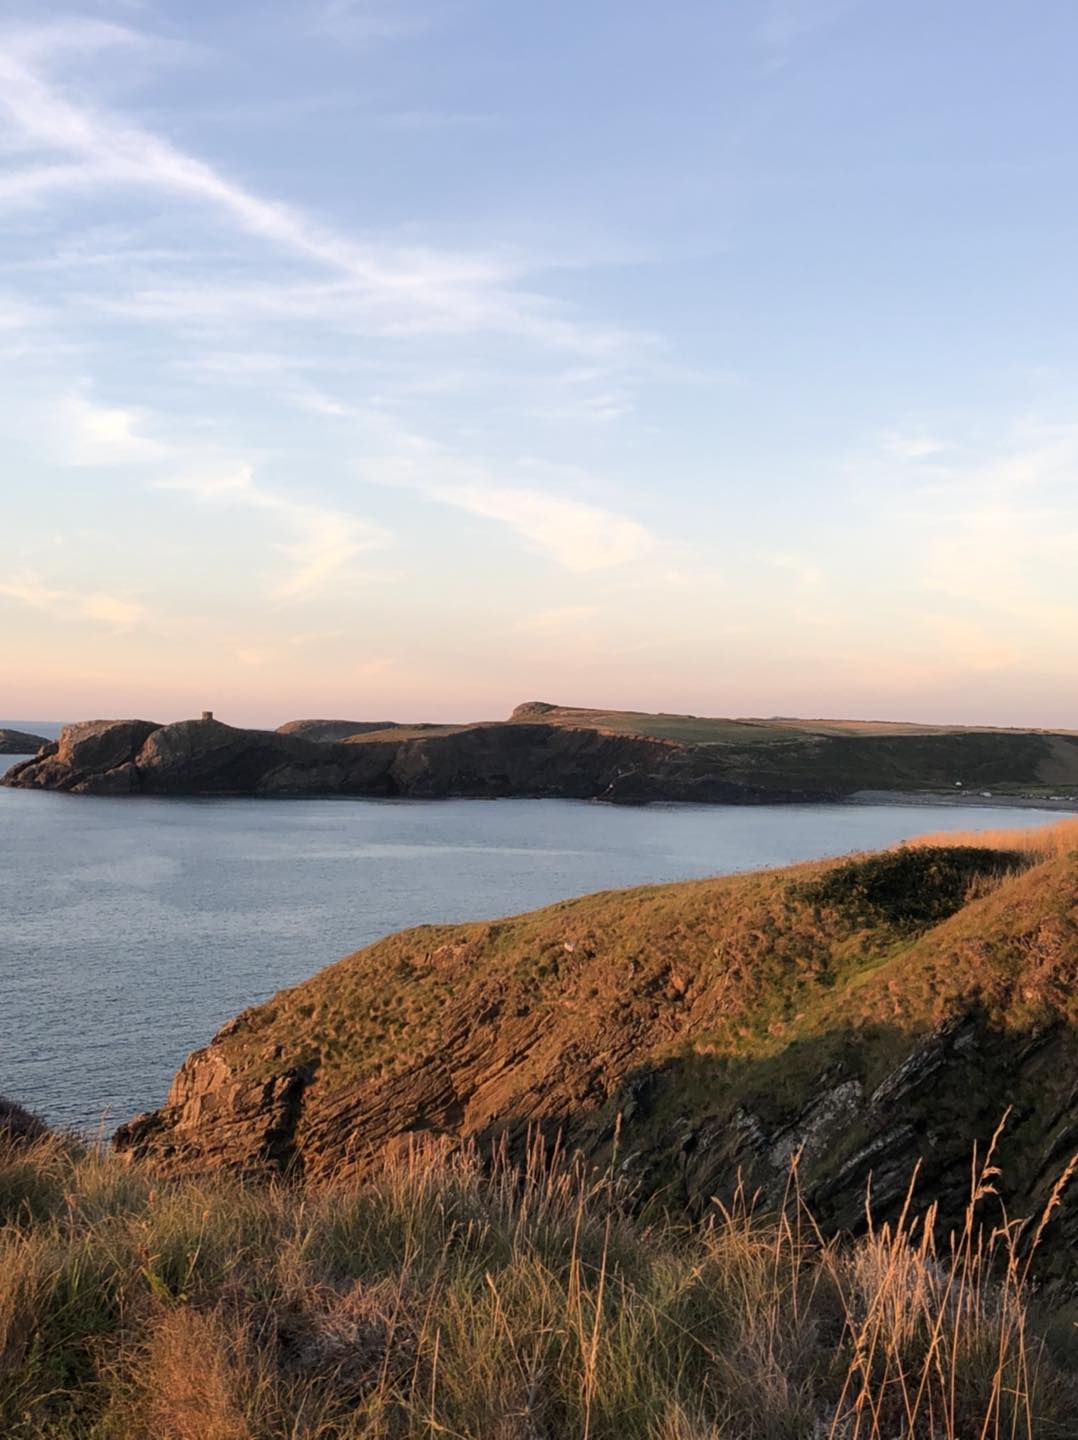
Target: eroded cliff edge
(541, 751)
(205, 757)
(867, 1014)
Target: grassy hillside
(702, 730)
(841, 756)
(739, 966)
(870, 1014)
(448, 1295)
(780, 756)
(686, 729)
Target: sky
(414, 358)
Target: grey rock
(102, 744)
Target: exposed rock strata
(686, 1035)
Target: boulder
(96, 745)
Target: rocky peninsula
(20, 742)
(546, 750)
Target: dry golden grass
(195, 1375)
(1043, 843)
(456, 1297)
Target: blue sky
(417, 358)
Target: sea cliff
(866, 1015)
(544, 751)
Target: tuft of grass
(914, 886)
(198, 1377)
(456, 1294)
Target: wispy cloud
(90, 434)
(993, 535)
(322, 541)
(576, 534)
(913, 445)
(392, 289)
(42, 40)
(557, 621)
(420, 293)
(114, 611)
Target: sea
(131, 929)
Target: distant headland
(20, 742)
(557, 751)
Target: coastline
(1060, 805)
(531, 755)
(982, 800)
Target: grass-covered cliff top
(706, 730)
(739, 968)
(868, 1013)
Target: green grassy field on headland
(701, 730)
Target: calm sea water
(131, 929)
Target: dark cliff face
(205, 757)
(20, 742)
(867, 1016)
(528, 756)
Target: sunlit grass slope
(452, 1295)
(740, 966)
(705, 730)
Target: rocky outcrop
(690, 1035)
(200, 757)
(20, 742)
(238, 1116)
(102, 744)
(94, 755)
(205, 757)
(541, 751)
